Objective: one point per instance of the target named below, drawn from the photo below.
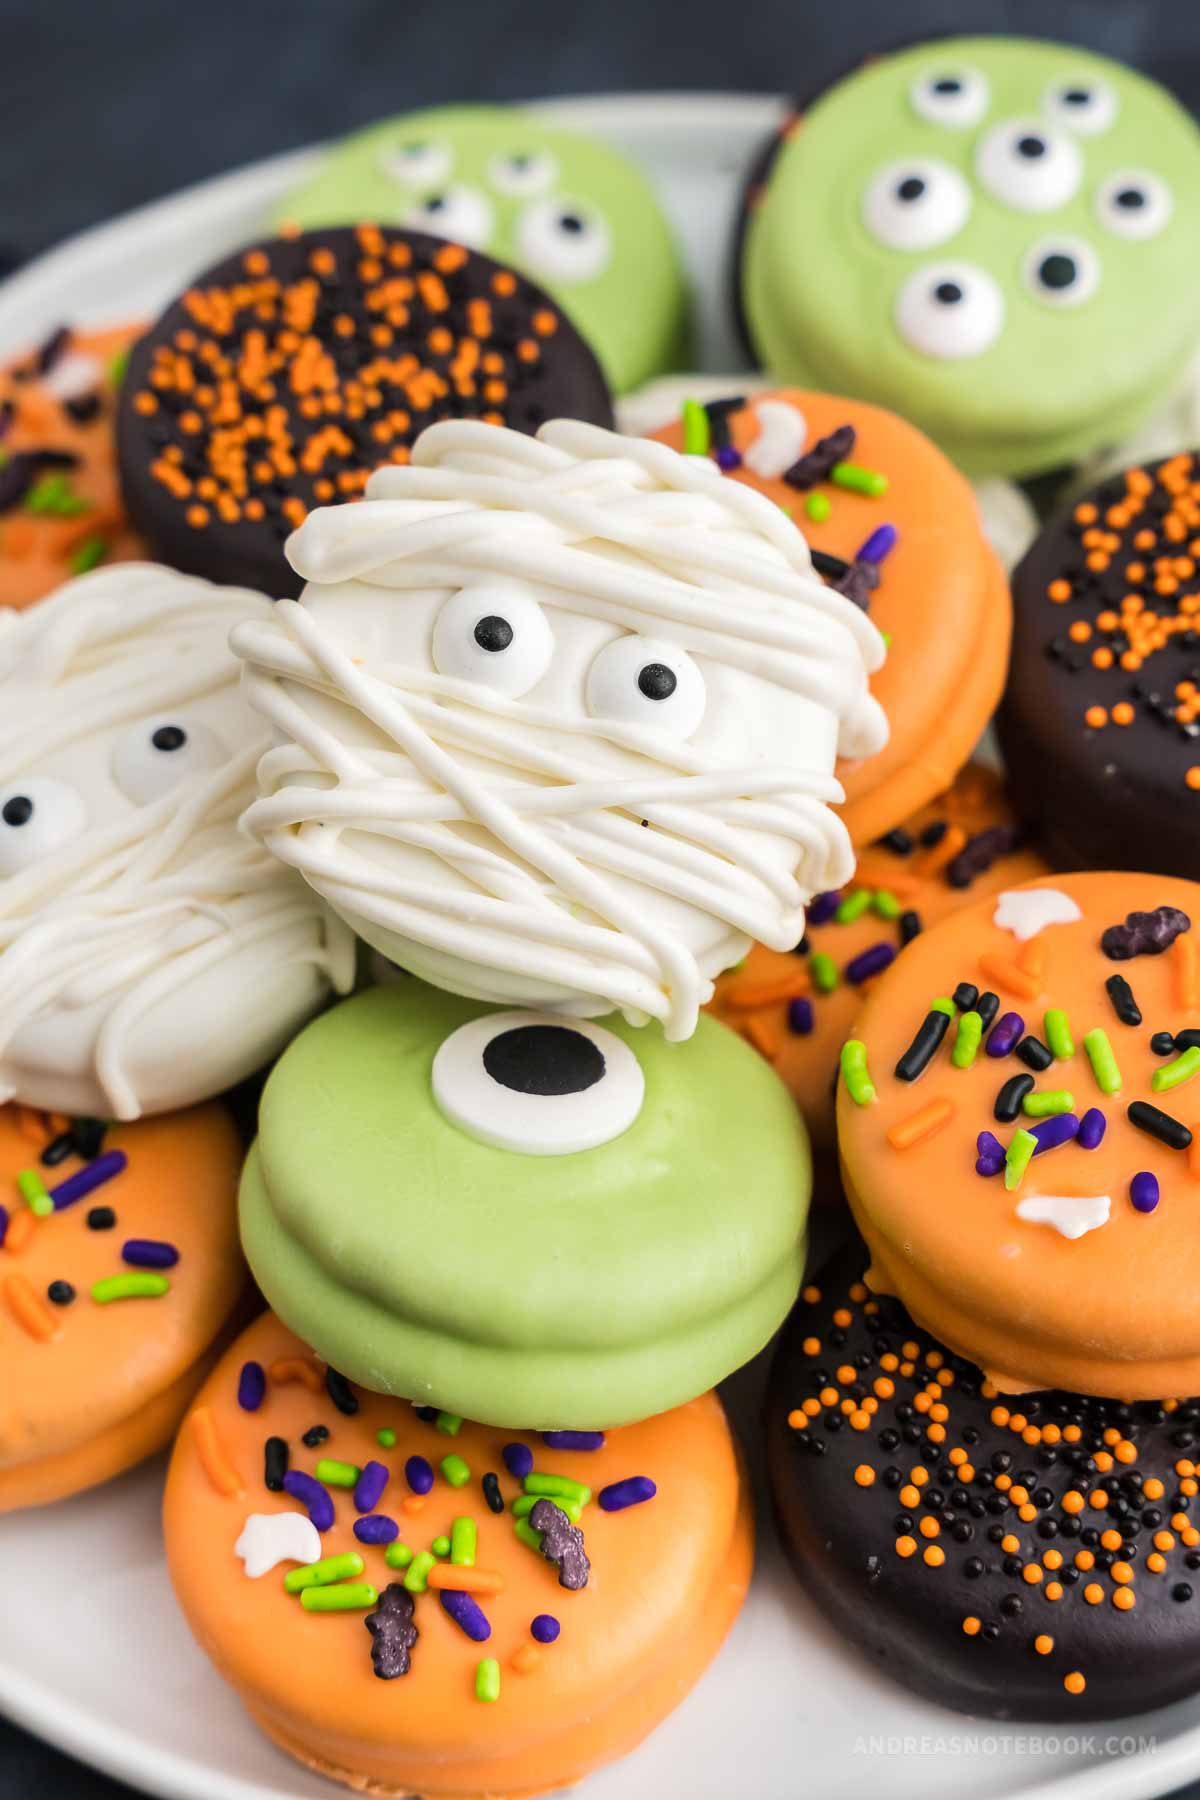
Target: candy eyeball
(522, 173)
(37, 815)
(1133, 203)
(1062, 271)
(463, 214)
(950, 311)
(563, 240)
(916, 204)
(418, 165)
(1029, 165)
(154, 756)
(494, 634)
(644, 681)
(952, 96)
(1087, 105)
(538, 1084)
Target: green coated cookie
(545, 1287)
(996, 238)
(569, 211)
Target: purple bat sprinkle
(419, 1474)
(1092, 1127)
(1058, 1129)
(149, 1253)
(1143, 1191)
(822, 907)
(869, 962)
(1005, 1034)
(309, 1492)
(800, 1016)
(368, 1489)
(377, 1528)
(467, 1614)
(728, 457)
(545, 1628)
(881, 543)
(633, 1491)
(518, 1460)
(252, 1386)
(85, 1180)
(573, 1440)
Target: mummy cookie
(150, 955)
(477, 1611)
(588, 755)
(457, 1277)
(1016, 1119)
(568, 210)
(1006, 232)
(119, 1266)
(892, 525)
(61, 511)
(1101, 722)
(1032, 1559)
(287, 373)
(797, 1008)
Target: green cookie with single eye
(568, 211)
(528, 1220)
(994, 237)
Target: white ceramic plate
(93, 1654)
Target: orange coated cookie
(406, 1602)
(60, 504)
(119, 1264)
(1019, 1125)
(880, 504)
(797, 1009)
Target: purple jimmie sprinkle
(1060, 1128)
(822, 907)
(90, 1177)
(3, 1225)
(377, 1528)
(368, 1489)
(309, 1492)
(149, 1253)
(467, 1614)
(633, 1491)
(1143, 1191)
(881, 543)
(518, 1460)
(573, 1440)
(1092, 1127)
(800, 1016)
(545, 1628)
(869, 962)
(252, 1386)
(1005, 1034)
(419, 1474)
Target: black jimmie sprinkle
(924, 1047)
(341, 1393)
(1124, 1004)
(275, 1463)
(1008, 1100)
(1157, 1124)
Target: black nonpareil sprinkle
(1186, 1040)
(965, 995)
(898, 841)
(987, 1006)
(1157, 1124)
(275, 1463)
(316, 1434)
(60, 1293)
(1033, 1053)
(341, 1393)
(910, 926)
(924, 1047)
(1124, 1004)
(1008, 1100)
(491, 1492)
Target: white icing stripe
(1073, 1215)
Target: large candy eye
(563, 240)
(37, 815)
(954, 97)
(1087, 105)
(463, 214)
(418, 164)
(643, 681)
(496, 634)
(152, 758)
(1062, 271)
(950, 310)
(522, 173)
(1029, 165)
(538, 1084)
(1134, 203)
(914, 205)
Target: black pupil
(948, 293)
(18, 810)
(521, 163)
(571, 222)
(169, 737)
(493, 633)
(1031, 147)
(544, 1059)
(436, 203)
(1077, 96)
(1058, 270)
(947, 84)
(911, 188)
(656, 681)
(1131, 198)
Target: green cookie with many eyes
(568, 211)
(994, 237)
(532, 1221)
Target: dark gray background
(108, 103)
